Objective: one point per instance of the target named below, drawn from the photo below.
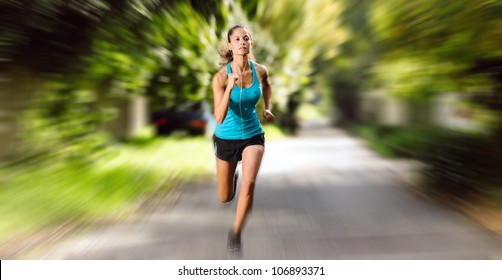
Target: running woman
(239, 136)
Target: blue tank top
(241, 121)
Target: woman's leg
(251, 161)
(225, 171)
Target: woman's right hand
(232, 77)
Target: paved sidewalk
(322, 195)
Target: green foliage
(273, 131)
(461, 30)
(58, 191)
(50, 36)
(166, 51)
(414, 79)
(416, 50)
(459, 164)
(439, 45)
(398, 141)
(456, 163)
(191, 52)
(374, 135)
(61, 124)
(78, 55)
(347, 73)
(302, 31)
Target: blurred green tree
(441, 46)
(82, 59)
(189, 43)
(427, 48)
(69, 55)
(291, 36)
(347, 73)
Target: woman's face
(240, 42)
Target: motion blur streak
(413, 88)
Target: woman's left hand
(267, 114)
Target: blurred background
(105, 102)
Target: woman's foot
(234, 241)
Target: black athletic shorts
(231, 150)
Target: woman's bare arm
(222, 90)
(267, 92)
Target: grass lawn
(56, 192)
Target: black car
(194, 119)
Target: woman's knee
(225, 193)
(224, 198)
